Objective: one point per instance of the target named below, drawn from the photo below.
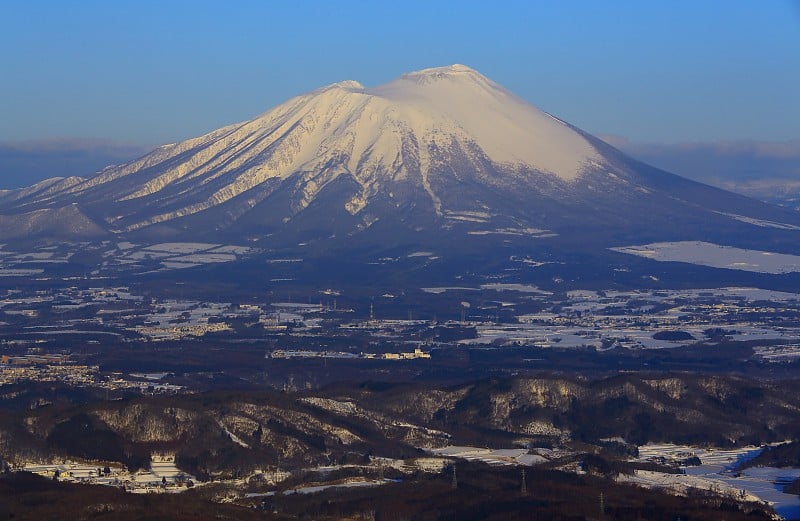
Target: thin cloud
(767, 149)
(765, 170)
(72, 144)
(23, 163)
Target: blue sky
(151, 72)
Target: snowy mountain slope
(399, 132)
(41, 191)
(439, 153)
(67, 221)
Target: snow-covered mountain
(442, 155)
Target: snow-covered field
(160, 469)
(177, 248)
(162, 472)
(19, 272)
(524, 232)
(522, 288)
(631, 319)
(496, 457)
(182, 255)
(496, 286)
(716, 256)
(125, 255)
(761, 222)
(716, 473)
(437, 291)
(571, 337)
(779, 353)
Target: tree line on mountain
(294, 429)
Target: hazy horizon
(749, 167)
(704, 90)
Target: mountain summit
(438, 156)
(395, 137)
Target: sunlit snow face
(457, 99)
(401, 131)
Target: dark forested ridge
(223, 437)
(394, 420)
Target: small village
(161, 476)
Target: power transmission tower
(602, 505)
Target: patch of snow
(522, 288)
(180, 247)
(174, 265)
(495, 457)
(716, 473)
(716, 256)
(523, 232)
(761, 222)
(437, 291)
(205, 258)
(234, 438)
(238, 250)
(19, 272)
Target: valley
(270, 394)
(264, 449)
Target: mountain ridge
(437, 156)
(370, 130)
